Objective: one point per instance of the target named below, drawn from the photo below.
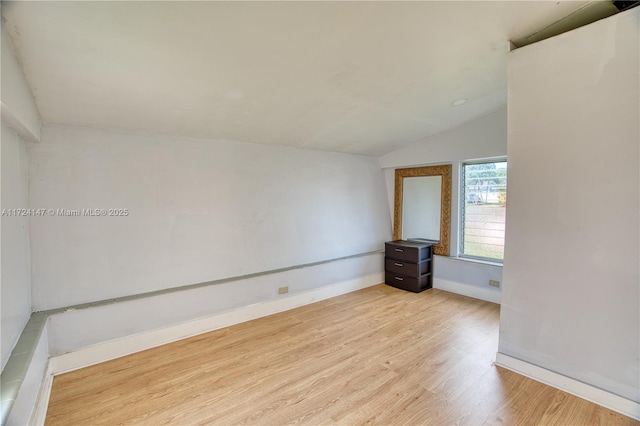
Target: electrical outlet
(283, 290)
(494, 283)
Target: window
(483, 209)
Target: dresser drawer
(403, 282)
(396, 266)
(409, 252)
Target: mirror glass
(421, 198)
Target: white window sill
(468, 259)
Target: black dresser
(409, 264)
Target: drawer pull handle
(399, 279)
(399, 264)
(400, 250)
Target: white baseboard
(468, 290)
(138, 342)
(42, 402)
(585, 391)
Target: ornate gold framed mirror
(423, 205)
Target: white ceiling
(359, 77)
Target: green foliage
(482, 179)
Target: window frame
(462, 208)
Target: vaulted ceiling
(359, 77)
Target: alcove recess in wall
(591, 12)
(442, 171)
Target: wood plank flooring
(376, 356)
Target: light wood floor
(375, 356)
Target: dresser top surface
(412, 243)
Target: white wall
(15, 275)
(480, 138)
(81, 328)
(570, 301)
(19, 110)
(20, 122)
(485, 137)
(200, 210)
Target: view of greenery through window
(483, 210)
